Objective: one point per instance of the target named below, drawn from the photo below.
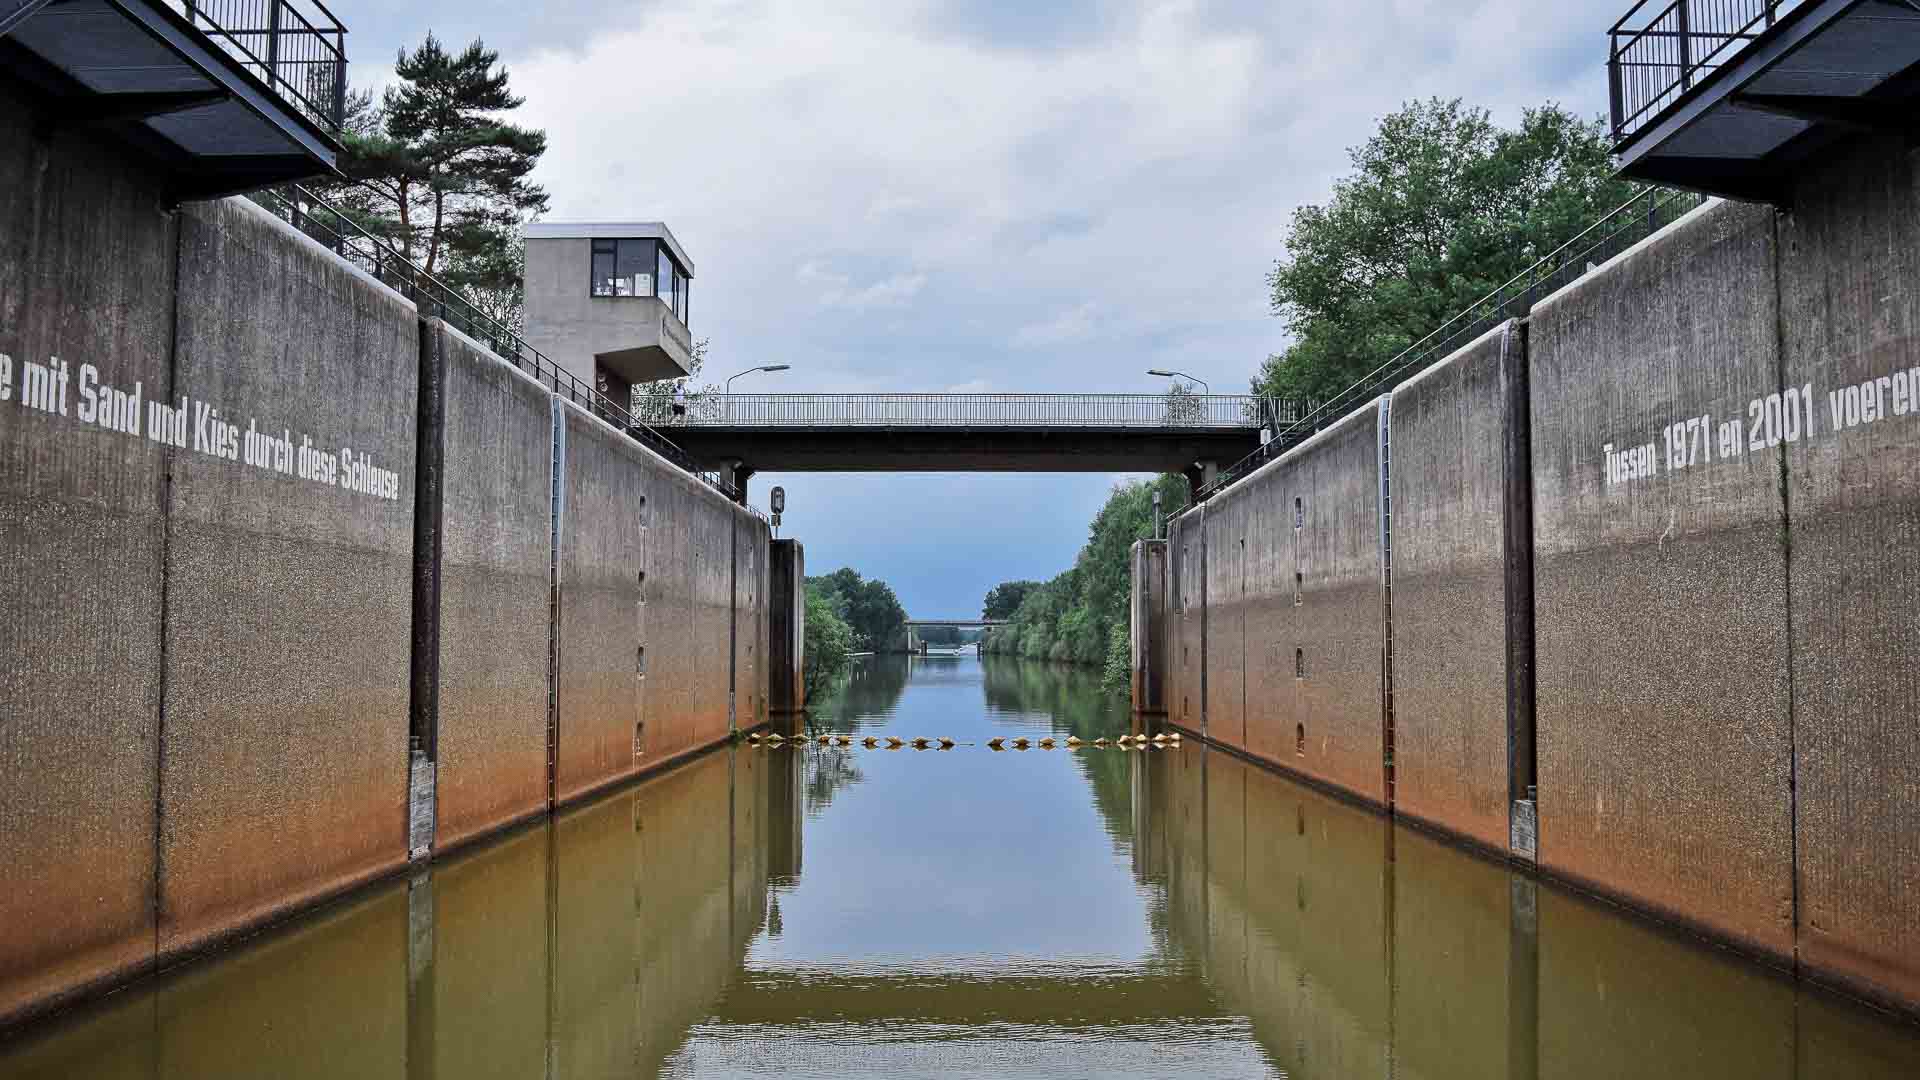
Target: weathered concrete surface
(494, 594)
(1147, 626)
(1225, 532)
(1187, 619)
(1312, 619)
(1850, 317)
(752, 576)
(1450, 426)
(86, 274)
(604, 537)
(1661, 645)
(284, 757)
(787, 628)
(647, 592)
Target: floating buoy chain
(1161, 741)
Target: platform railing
(299, 49)
(332, 228)
(973, 411)
(1624, 226)
(1657, 54)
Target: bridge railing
(1156, 411)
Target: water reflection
(829, 912)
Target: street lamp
(751, 370)
(1165, 374)
(728, 389)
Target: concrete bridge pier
(1199, 475)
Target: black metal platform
(223, 97)
(1731, 97)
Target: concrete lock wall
(86, 275)
(1660, 590)
(272, 538)
(1682, 530)
(1850, 347)
(289, 570)
(1295, 632)
(1452, 426)
(493, 638)
(1186, 618)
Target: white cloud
(1071, 325)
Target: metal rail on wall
(1626, 225)
(330, 227)
(297, 49)
(1655, 56)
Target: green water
(830, 912)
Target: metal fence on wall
(1657, 54)
(299, 49)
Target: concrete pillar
(1148, 625)
(737, 474)
(787, 612)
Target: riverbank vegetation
(1080, 616)
(847, 614)
(1442, 207)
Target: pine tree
(443, 175)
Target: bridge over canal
(1177, 432)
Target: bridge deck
(967, 432)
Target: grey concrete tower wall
(1660, 603)
(86, 275)
(1450, 427)
(493, 635)
(1850, 323)
(289, 577)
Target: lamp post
(728, 386)
(1164, 373)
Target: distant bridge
(957, 622)
(1178, 432)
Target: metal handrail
(326, 224)
(1622, 227)
(1003, 410)
(1651, 65)
(301, 56)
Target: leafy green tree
(869, 607)
(827, 641)
(442, 173)
(1004, 599)
(1442, 207)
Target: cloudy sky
(1031, 195)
